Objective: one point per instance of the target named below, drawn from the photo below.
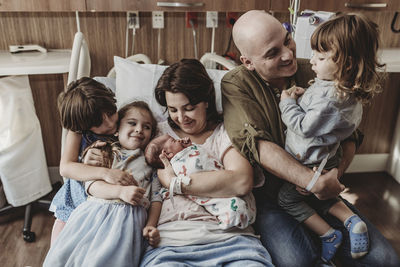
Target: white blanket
(23, 168)
(184, 233)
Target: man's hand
(152, 235)
(131, 194)
(165, 175)
(302, 191)
(328, 185)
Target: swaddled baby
(187, 158)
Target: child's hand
(152, 235)
(132, 194)
(293, 92)
(116, 176)
(94, 155)
(165, 175)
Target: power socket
(191, 16)
(158, 19)
(133, 19)
(211, 19)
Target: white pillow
(137, 82)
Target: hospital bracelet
(175, 185)
(317, 174)
(314, 179)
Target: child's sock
(358, 233)
(331, 241)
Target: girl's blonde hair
(353, 40)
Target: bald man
(250, 98)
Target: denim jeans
(290, 243)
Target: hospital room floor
(376, 195)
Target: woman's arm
(235, 180)
(71, 168)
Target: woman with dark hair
(190, 236)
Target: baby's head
(352, 42)
(88, 105)
(137, 125)
(167, 145)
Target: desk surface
(390, 56)
(24, 63)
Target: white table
(390, 56)
(28, 63)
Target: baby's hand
(152, 235)
(116, 176)
(132, 194)
(185, 140)
(165, 175)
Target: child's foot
(358, 232)
(330, 244)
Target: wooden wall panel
(42, 5)
(152, 5)
(105, 33)
(45, 89)
(379, 118)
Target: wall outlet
(191, 16)
(231, 18)
(133, 19)
(158, 19)
(211, 19)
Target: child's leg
(358, 232)
(317, 224)
(57, 227)
(330, 238)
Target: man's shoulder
(240, 77)
(237, 73)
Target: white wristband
(172, 186)
(313, 181)
(175, 186)
(317, 174)
(185, 180)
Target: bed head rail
(209, 57)
(136, 58)
(79, 65)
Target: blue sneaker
(330, 244)
(358, 233)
